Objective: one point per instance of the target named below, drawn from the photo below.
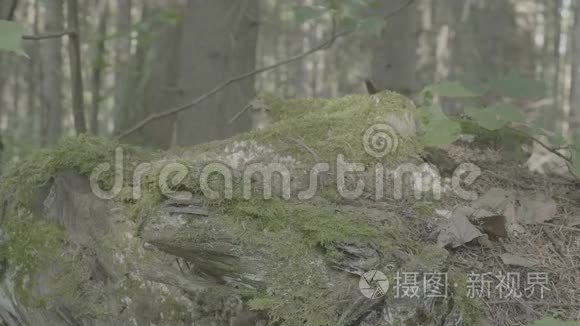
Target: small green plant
(11, 37)
(441, 129)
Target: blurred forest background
(143, 57)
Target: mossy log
(157, 257)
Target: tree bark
(575, 92)
(51, 50)
(76, 68)
(122, 66)
(219, 41)
(158, 60)
(395, 53)
(98, 66)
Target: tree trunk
(51, 56)
(156, 90)
(575, 92)
(122, 66)
(76, 68)
(219, 42)
(395, 53)
(98, 66)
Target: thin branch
(551, 150)
(555, 152)
(203, 97)
(47, 35)
(239, 114)
(398, 10)
(223, 85)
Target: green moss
(81, 154)
(297, 233)
(470, 306)
(318, 224)
(302, 290)
(424, 209)
(31, 245)
(331, 127)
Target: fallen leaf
(485, 242)
(457, 230)
(495, 200)
(514, 260)
(536, 209)
(494, 226)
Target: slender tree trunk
(157, 59)
(219, 41)
(395, 53)
(122, 66)
(98, 66)
(7, 9)
(558, 110)
(51, 56)
(76, 68)
(575, 91)
(30, 130)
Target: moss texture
(296, 232)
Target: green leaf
(516, 87)
(173, 17)
(457, 89)
(11, 37)
(305, 13)
(441, 132)
(555, 139)
(507, 112)
(371, 25)
(487, 119)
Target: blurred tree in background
(145, 57)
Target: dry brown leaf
(494, 226)
(514, 260)
(458, 230)
(535, 209)
(496, 200)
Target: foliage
(31, 245)
(347, 13)
(441, 130)
(11, 37)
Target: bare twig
(555, 152)
(47, 35)
(328, 43)
(561, 227)
(223, 85)
(551, 150)
(239, 114)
